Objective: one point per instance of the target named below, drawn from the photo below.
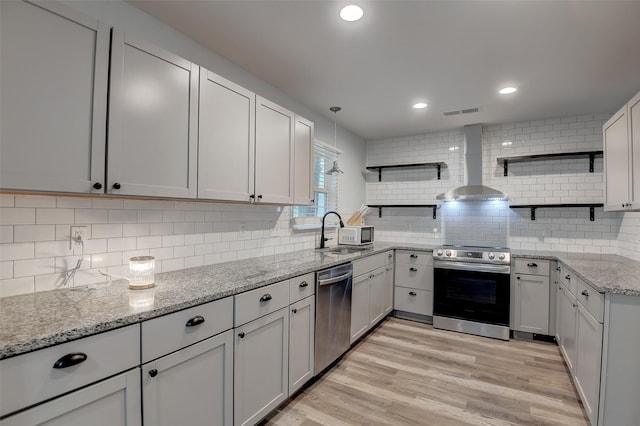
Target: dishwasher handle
(335, 279)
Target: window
(325, 187)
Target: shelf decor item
(142, 272)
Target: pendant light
(335, 169)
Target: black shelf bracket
(435, 207)
(533, 213)
(439, 166)
(506, 167)
(537, 157)
(533, 208)
(592, 214)
(592, 156)
(381, 206)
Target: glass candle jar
(141, 270)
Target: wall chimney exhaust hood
(473, 190)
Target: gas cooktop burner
(496, 255)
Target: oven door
(473, 292)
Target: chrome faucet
(322, 238)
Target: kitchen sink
(343, 249)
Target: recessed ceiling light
(508, 90)
(419, 105)
(351, 13)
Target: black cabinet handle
(153, 372)
(197, 320)
(413, 293)
(585, 293)
(303, 284)
(295, 311)
(97, 185)
(69, 360)
(260, 197)
(558, 269)
(241, 335)
(390, 255)
(575, 305)
(413, 269)
(568, 277)
(313, 201)
(414, 256)
(116, 185)
(266, 298)
(252, 196)
(532, 265)
(517, 278)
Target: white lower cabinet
(377, 295)
(567, 325)
(193, 386)
(530, 303)
(413, 291)
(111, 402)
(388, 287)
(359, 306)
(301, 342)
(261, 367)
(587, 361)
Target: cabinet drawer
(301, 287)
(261, 301)
(414, 257)
(413, 300)
(532, 266)
(169, 333)
(369, 263)
(414, 276)
(31, 378)
(568, 279)
(591, 299)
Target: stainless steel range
(471, 290)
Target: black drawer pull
(568, 277)
(390, 255)
(558, 269)
(303, 284)
(413, 293)
(532, 265)
(585, 293)
(153, 372)
(413, 269)
(414, 256)
(69, 360)
(97, 185)
(295, 311)
(197, 320)
(517, 278)
(241, 335)
(266, 298)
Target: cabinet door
(111, 402)
(301, 342)
(274, 153)
(587, 366)
(388, 288)
(303, 165)
(531, 304)
(359, 306)
(634, 142)
(226, 139)
(567, 317)
(192, 386)
(53, 74)
(377, 296)
(261, 379)
(616, 161)
(153, 121)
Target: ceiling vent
(460, 111)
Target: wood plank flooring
(407, 373)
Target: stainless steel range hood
(473, 190)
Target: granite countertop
(36, 321)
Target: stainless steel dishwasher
(333, 314)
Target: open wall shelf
(539, 157)
(439, 165)
(533, 208)
(381, 206)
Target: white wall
(493, 223)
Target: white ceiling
(567, 57)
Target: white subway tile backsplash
(6, 234)
(35, 201)
(123, 216)
(135, 229)
(25, 268)
(121, 244)
(103, 260)
(73, 202)
(17, 216)
(51, 282)
(149, 242)
(7, 200)
(91, 216)
(26, 233)
(17, 251)
(6, 270)
(16, 286)
(52, 248)
(54, 216)
(106, 230)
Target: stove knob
(501, 257)
(439, 253)
(448, 252)
(492, 256)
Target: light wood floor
(407, 373)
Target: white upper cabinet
(621, 138)
(54, 66)
(274, 153)
(153, 121)
(226, 139)
(303, 166)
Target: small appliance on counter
(355, 235)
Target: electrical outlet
(78, 233)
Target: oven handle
(474, 267)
